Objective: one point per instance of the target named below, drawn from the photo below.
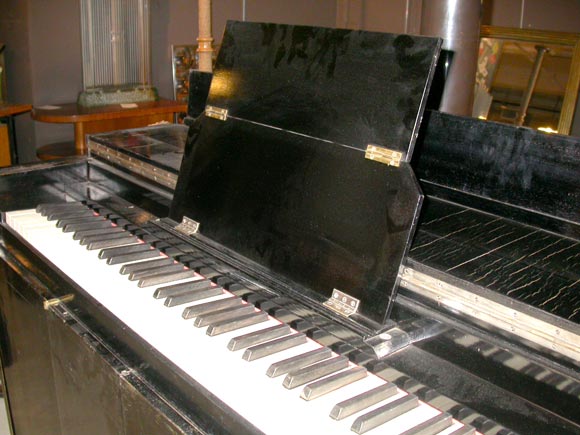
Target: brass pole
(204, 41)
(527, 96)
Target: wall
(557, 15)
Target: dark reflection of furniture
(7, 113)
(528, 77)
(88, 120)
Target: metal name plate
(342, 303)
(187, 226)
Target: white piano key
(221, 371)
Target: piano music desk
(100, 119)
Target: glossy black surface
(524, 263)
(315, 213)
(199, 83)
(532, 174)
(503, 211)
(346, 86)
(161, 146)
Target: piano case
(297, 175)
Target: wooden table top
(72, 112)
(7, 109)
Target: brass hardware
(55, 301)
(216, 112)
(137, 166)
(383, 155)
(187, 226)
(342, 303)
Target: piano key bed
(257, 364)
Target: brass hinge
(342, 303)
(383, 155)
(55, 301)
(187, 226)
(216, 112)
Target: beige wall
(557, 15)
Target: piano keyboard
(275, 377)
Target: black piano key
(127, 258)
(427, 394)
(192, 296)
(109, 243)
(208, 307)
(283, 314)
(236, 286)
(194, 264)
(301, 325)
(297, 362)
(554, 379)
(410, 383)
(385, 413)
(221, 280)
(130, 268)
(483, 424)
(254, 298)
(104, 236)
(360, 357)
(69, 228)
(267, 305)
(140, 233)
(355, 404)
(333, 382)
(149, 238)
(461, 412)
(315, 371)
(122, 250)
(465, 430)
(532, 370)
(223, 314)
(242, 321)
(144, 273)
(317, 334)
(61, 223)
(270, 347)
(120, 222)
(432, 426)
(184, 287)
(257, 337)
(376, 366)
(342, 347)
(172, 251)
(208, 272)
(164, 278)
(69, 214)
(161, 245)
(79, 235)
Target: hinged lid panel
(346, 86)
(316, 215)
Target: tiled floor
(4, 429)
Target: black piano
(327, 257)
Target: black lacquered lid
(346, 86)
(283, 180)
